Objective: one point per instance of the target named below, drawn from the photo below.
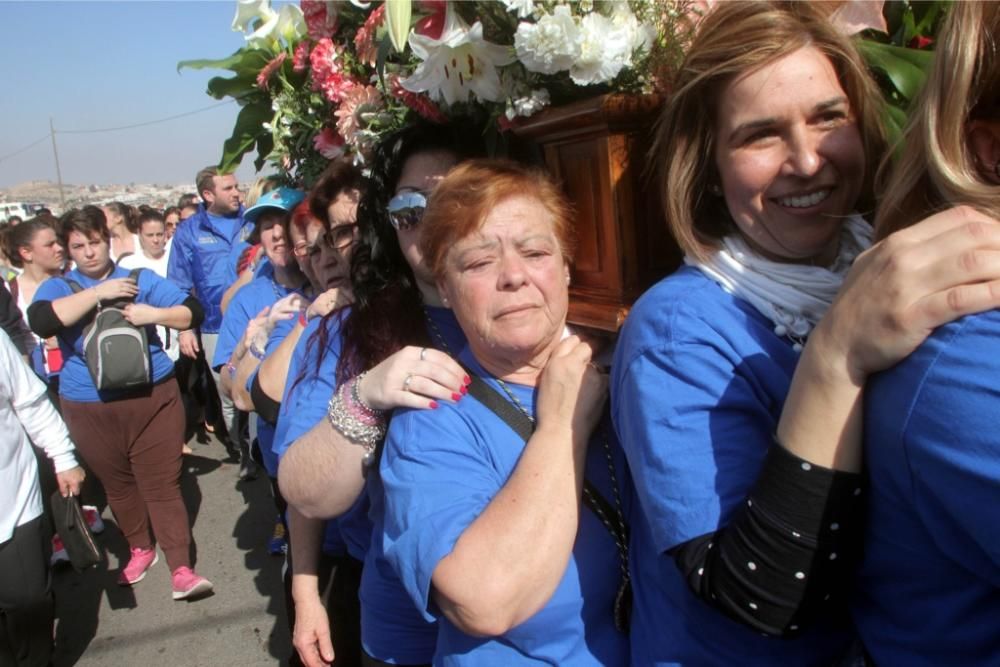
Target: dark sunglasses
(406, 209)
(336, 238)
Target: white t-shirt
(25, 411)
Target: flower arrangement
(325, 78)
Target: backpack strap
(73, 285)
(134, 275)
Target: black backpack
(117, 351)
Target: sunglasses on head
(406, 209)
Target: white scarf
(793, 296)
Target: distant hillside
(47, 192)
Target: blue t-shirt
(203, 257)
(308, 389)
(698, 383)
(392, 628)
(265, 429)
(75, 382)
(245, 305)
(929, 586)
(441, 469)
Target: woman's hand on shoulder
(116, 288)
(285, 308)
(571, 388)
(905, 286)
(414, 377)
(328, 301)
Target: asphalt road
(242, 623)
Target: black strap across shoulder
(524, 427)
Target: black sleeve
(265, 406)
(197, 312)
(787, 552)
(13, 323)
(43, 320)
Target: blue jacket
(203, 261)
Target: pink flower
(300, 59)
(419, 103)
(321, 18)
(364, 40)
(269, 69)
(329, 144)
(358, 101)
(327, 76)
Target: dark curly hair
(388, 313)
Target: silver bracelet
(368, 435)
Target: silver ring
(423, 351)
(406, 382)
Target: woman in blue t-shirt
(510, 531)
(929, 586)
(400, 332)
(736, 384)
(131, 438)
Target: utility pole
(62, 195)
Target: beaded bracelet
(355, 420)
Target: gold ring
(406, 382)
(423, 351)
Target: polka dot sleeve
(787, 552)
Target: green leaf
(238, 87)
(397, 19)
(895, 122)
(247, 132)
(905, 69)
(381, 57)
(243, 62)
(265, 145)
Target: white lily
(457, 64)
(248, 10)
(290, 23)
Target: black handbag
(72, 527)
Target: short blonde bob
(734, 39)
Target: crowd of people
(790, 460)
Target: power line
(21, 150)
(150, 122)
(115, 129)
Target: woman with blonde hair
(929, 585)
(737, 381)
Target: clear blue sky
(92, 65)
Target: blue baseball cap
(283, 199)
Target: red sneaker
(187, 584)
(141, 560)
